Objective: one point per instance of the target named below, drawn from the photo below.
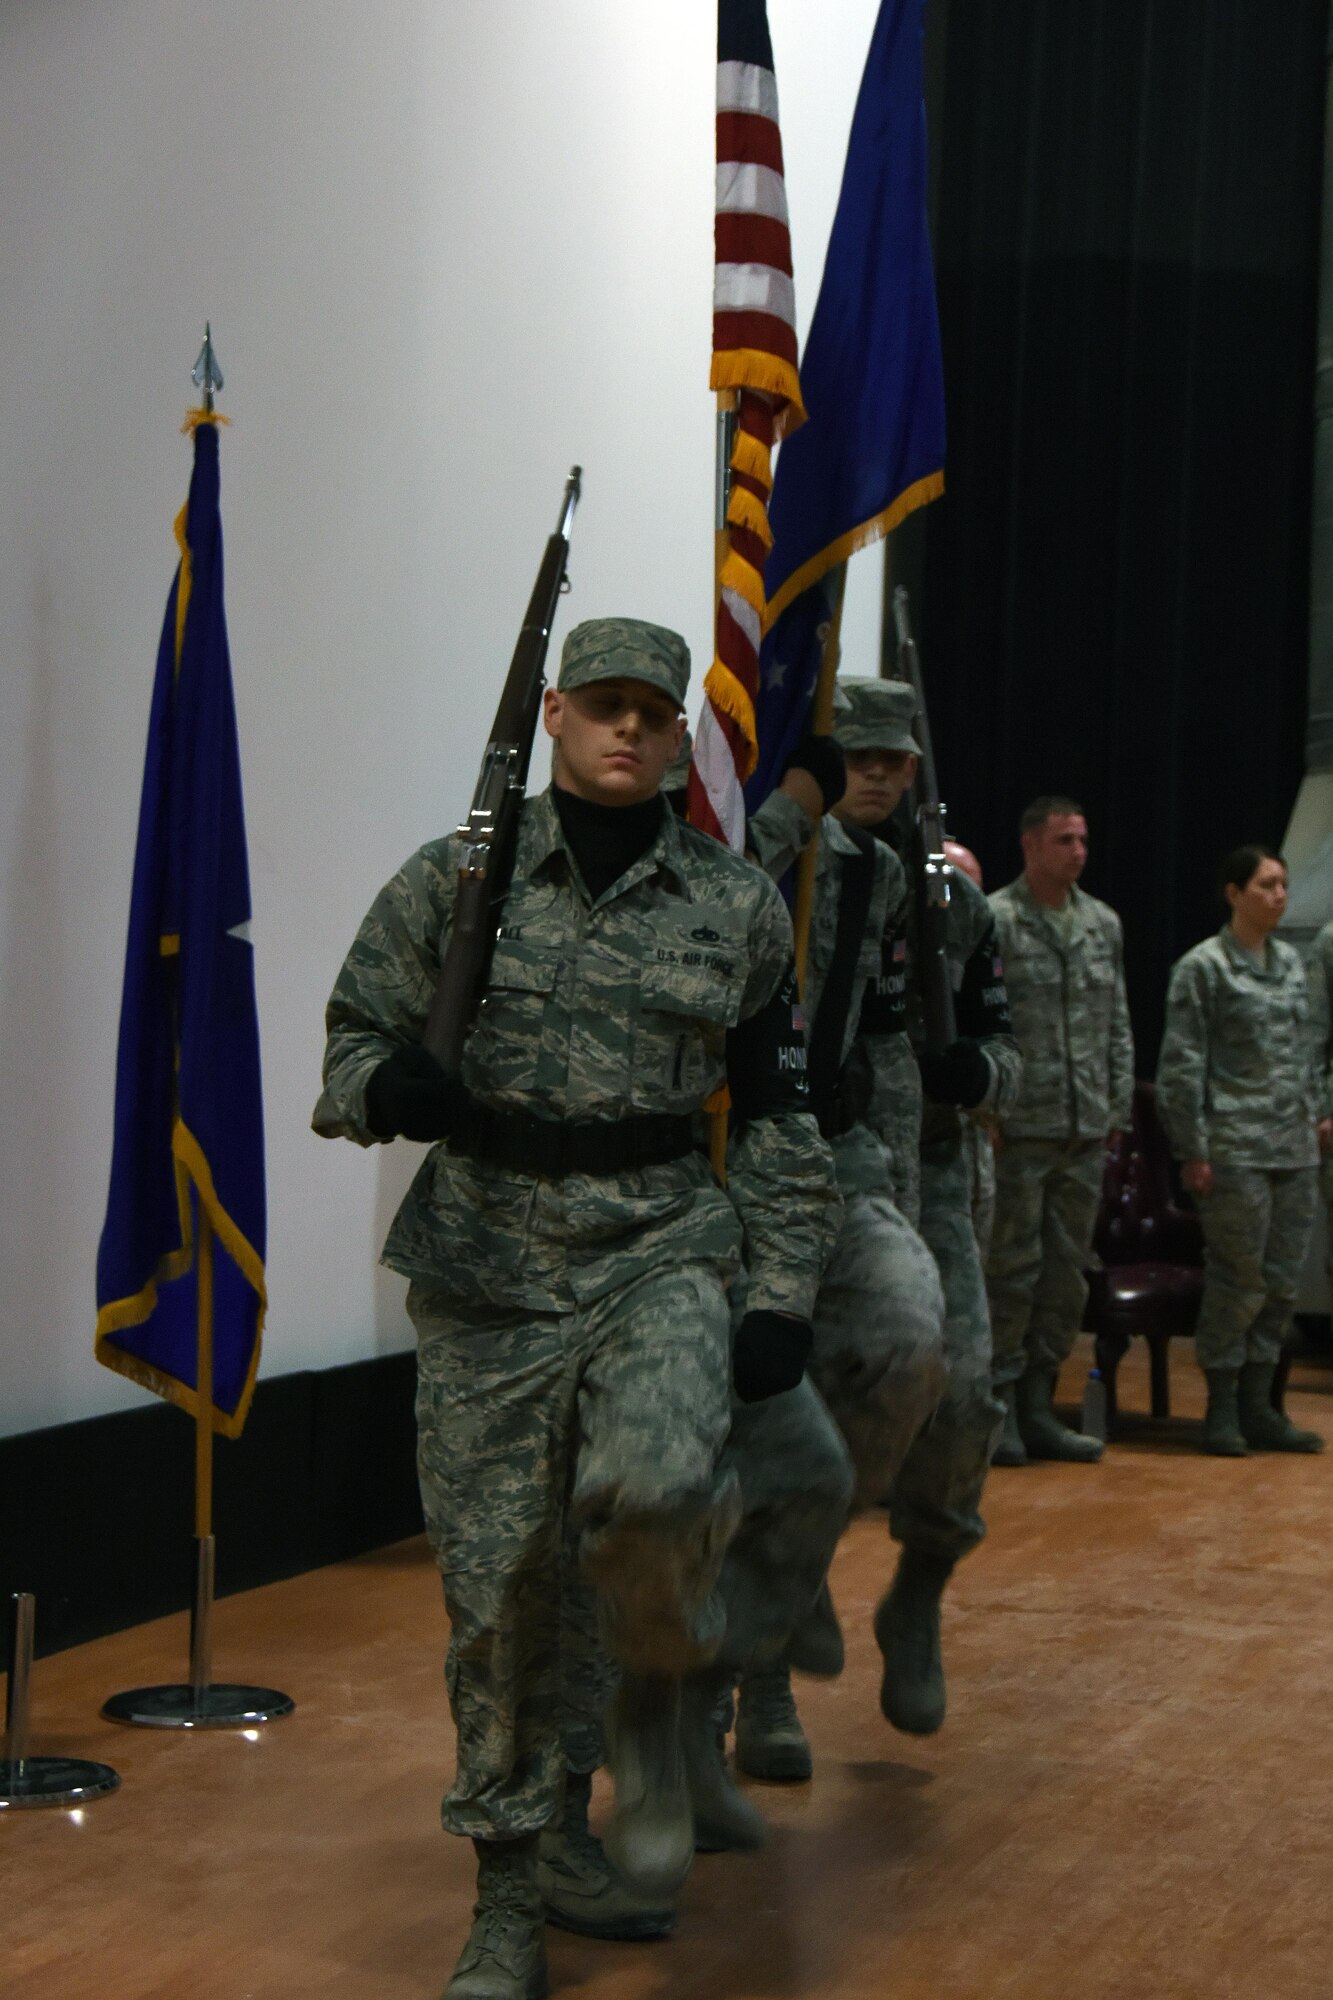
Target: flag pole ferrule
(201, 1617)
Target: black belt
(550, 1148)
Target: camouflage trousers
(805, 1460)
(1326, 1188)
(808, 1459)
(796, 1484)
(935, 1505)
(570, 1474)
(980, 1149)
(878, 1356)
(1256, 1233)
(1046, 1197)
(795, 1481)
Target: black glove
(957, 1075)
(410, 1095)
(823, 759)
(768, 1354)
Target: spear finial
(206, 375)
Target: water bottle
(1094, 1405)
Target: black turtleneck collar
(890, 832)
(606, 840)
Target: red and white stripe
(754, 355)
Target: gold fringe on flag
(744, 579)
(744, 510)
(847, 545)
(747, 368)
(753, 458)
(191, 1166)
(728, 695)
(193, 419)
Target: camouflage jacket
(1238, 1075)
(1070, 1017)
(594, 1010)
(978, 977)
(880, 1150)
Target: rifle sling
(855, 889)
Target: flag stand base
(201, 1702)
(53, 1781)
(38, 1781)
(217, 1706)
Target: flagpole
(726, 438)
(727, 399)
(821, 722)
(201, 1623)
(203, 1416)
(201, 1703)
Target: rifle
(935, 879)
(491, 829)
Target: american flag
(754, 353)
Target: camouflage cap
(611, 649)
(878, 715)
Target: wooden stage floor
(1132, 1798)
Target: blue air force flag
(189, 1136)
(872, 448)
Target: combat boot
(578, 1885)
(907, 1632)
(505, 1955)
(1009, 1447)
(650, 1840)
(1043, 1435)
(770, 1742)
(1221, 1424)
(724, 1820)
(816, 1646)
(1263, 1427)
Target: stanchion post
(26, 1780)
(18, 1696)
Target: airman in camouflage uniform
(877, 1358)
(978, 1136)
(1320, 975)
(1064, 970)
(934, 1501)
(568, 1252)
(936, 1509)
(1240, 1095)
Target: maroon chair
(1151, 1250)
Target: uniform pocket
(691, 986)
(505, 1041)
(1099, 966)
(1243, 1019)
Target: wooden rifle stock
(490, 830)
(934, 876)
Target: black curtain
(1116, 581)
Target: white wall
(447, 249)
